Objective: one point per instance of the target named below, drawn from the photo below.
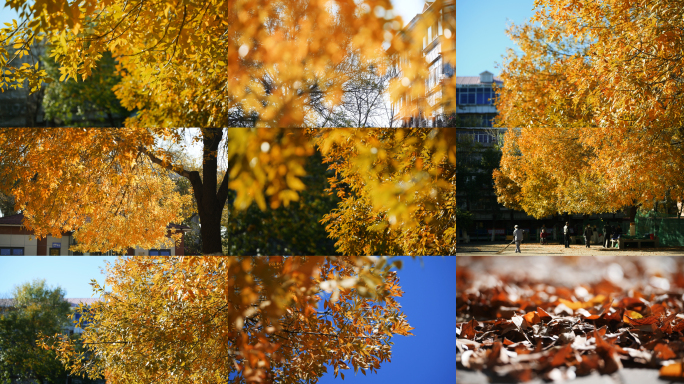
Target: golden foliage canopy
(113, 187)
(398, 188)
(238, 319)
(596, 95)
(215, 63)
(94, 182)
(545, 171)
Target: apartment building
(439, 51)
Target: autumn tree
(239, 319)
(596, 95)
(398, 190)
(365, 101)
(99, 182)
(35, 309)
(213, 64)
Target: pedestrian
(566, 235)
(607, 233)
(542, 236)
(587, 235)
(595, 236)
(517, 236)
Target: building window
(12, 251)
(160, 252)
(475, 96)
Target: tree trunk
(632, 213)
(210, 199)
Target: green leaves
(36, 310)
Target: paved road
(536, 249)
(623, 376)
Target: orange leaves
(80, 179)
(664, 352)
(672, 371)
(543, 315)
(264, 164)
(392, 190)
(532, 318)
(468, 330)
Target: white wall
(64, 241)
(28, 242)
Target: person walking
(587, 235)
(566, 235)
(517, 237)
(607, 233)
(596, 235)
(542, 236)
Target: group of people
(609, 232)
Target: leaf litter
(523, 326)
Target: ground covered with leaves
(557, 318)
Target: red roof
(12, 219)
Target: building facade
(439, 51)
(479, 145)
(475, 97)
(19, 241)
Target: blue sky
(429, 303)
(480, 32)
(72, 273)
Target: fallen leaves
(522, 330)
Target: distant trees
(83, 102)
(292, 230)
(35, 310)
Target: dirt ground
(536, 249)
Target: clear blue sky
(429, 303)
(480, 32)
(72, 273)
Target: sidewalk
(536, 249)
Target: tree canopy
(114, 187)
(596, 95)
(218, 63)
(239, 319)
(398, 190)
(292, 230)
